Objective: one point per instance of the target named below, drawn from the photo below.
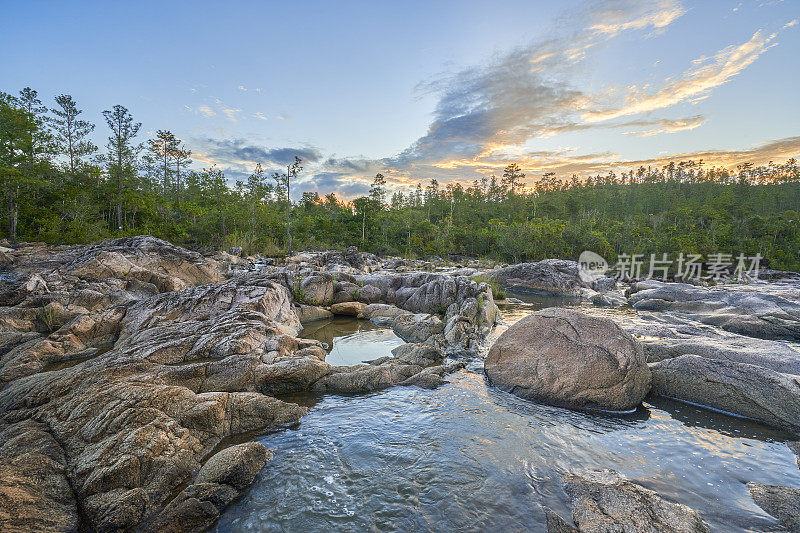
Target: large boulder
(557, 276)
(315, 290)
(605, 502)
(739, 388)
(569, 359)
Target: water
(471, 458)
(352, 341)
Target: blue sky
(451, 90)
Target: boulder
(605, 501)
(783, 503)
(417, 327)
(557, 276)
(348, 308)
(569, 359)
(746, 390)
(312, 313)
(380, 313)
(236, 466)
(315, 290)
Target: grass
(498, 292)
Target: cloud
(665, 126)
(207, 111)
(341, 183)
(527, 93)
(615, 16)
(231, 113)
(242, 88)
(695, 84)
(260, 115)
(239, 154)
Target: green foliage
(47, 318)
(298, 292)
(57, 198)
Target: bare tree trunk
(12, 215)
(288, 212)
(178, 185)
(166, 167)
(119, 217)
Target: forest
(59, 187)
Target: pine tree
(162, 148)
(122, 153)
(180, 155)
(70, 133)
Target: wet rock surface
(605, 501)
(781, 502)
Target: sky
(418, 90)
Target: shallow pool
(351, 341)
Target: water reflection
(352, 341)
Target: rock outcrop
(411, 365)
(569, 359)
(751, 313)
(125, 366)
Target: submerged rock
(569, 359)
(605, 501)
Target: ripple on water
(472, 458)
(468, 457)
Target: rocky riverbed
(135, 374)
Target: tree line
(61, 188)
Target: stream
(472, 458)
